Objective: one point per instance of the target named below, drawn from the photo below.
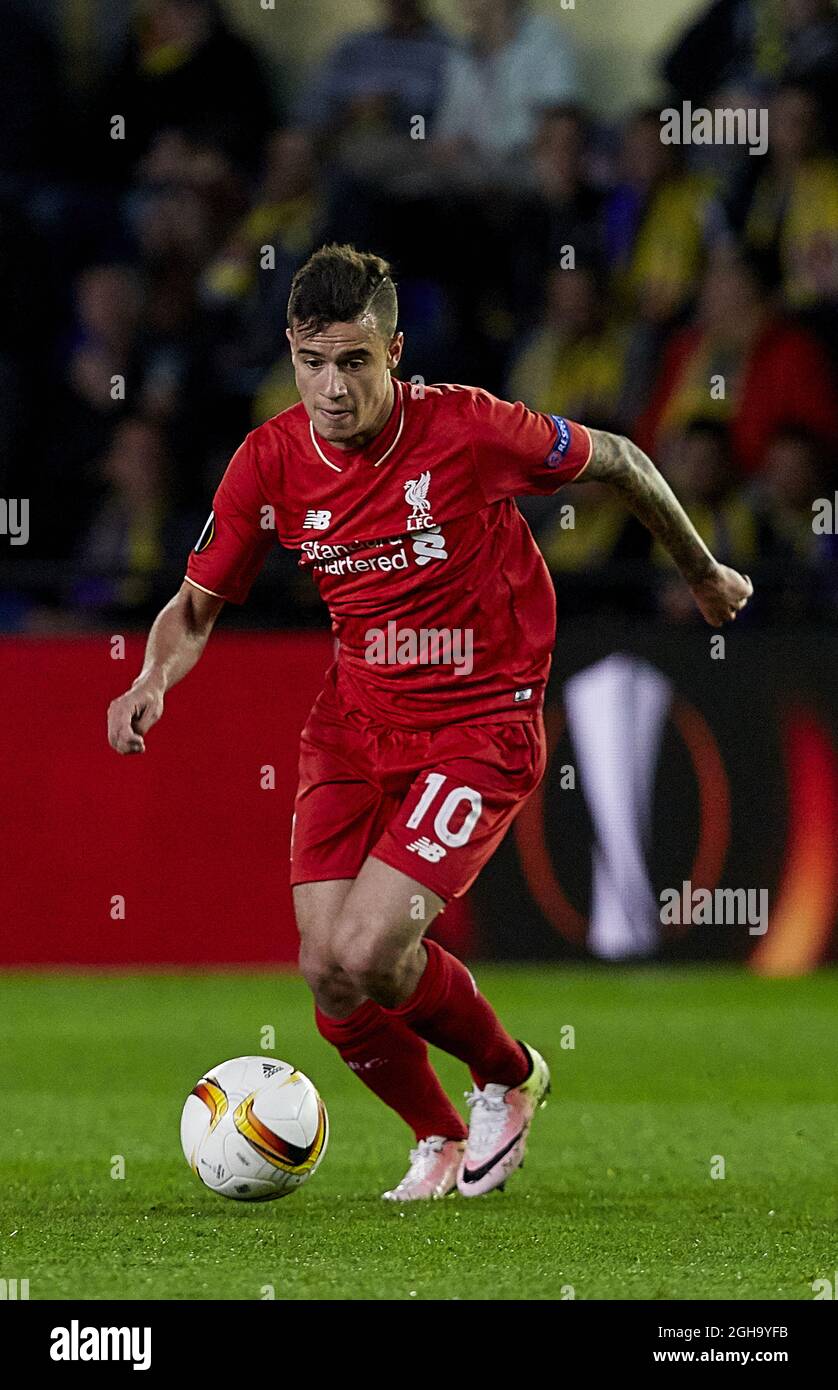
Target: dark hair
(339, 285)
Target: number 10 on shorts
(434, 783)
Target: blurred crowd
(153, 212)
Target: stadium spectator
(517, 62)
(123, 546)
(732, 42)
(799, 569)
(521, 265)
(108, 303)
(742, 363)
(794, 209)
(590, 543)
(561, 179)
(575, 361)
(811, 35)
(245, 287)
(561, 213)
(706, 482)
(799, 467)
(370, 107)
(750, 45)
(380, 78)
(282, 216)
(96, 370)
(707, 485)
(177, 160)
(185, 69)
(654, 224)
(174, 227)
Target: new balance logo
(427, 849)
(316, 521)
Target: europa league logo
(616, 713)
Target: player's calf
(384, 1053)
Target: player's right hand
(722, 594)
(131, 716)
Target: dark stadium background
(143, 283)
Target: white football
(254, 1128)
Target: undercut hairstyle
(341, 285)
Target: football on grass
(254, 1128)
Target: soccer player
(428, 735)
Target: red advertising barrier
(175, 857)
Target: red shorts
(433, 803)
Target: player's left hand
(722, 595)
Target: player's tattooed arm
(720, 592)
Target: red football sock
(447, 1010)
(393, 1062)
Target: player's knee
(379, 978)
(326, 979)
(366, 958)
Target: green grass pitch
(670, 1068)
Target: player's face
(343, 377)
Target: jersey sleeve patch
(562, 443)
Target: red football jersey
(439, 597)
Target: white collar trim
(384, 456)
